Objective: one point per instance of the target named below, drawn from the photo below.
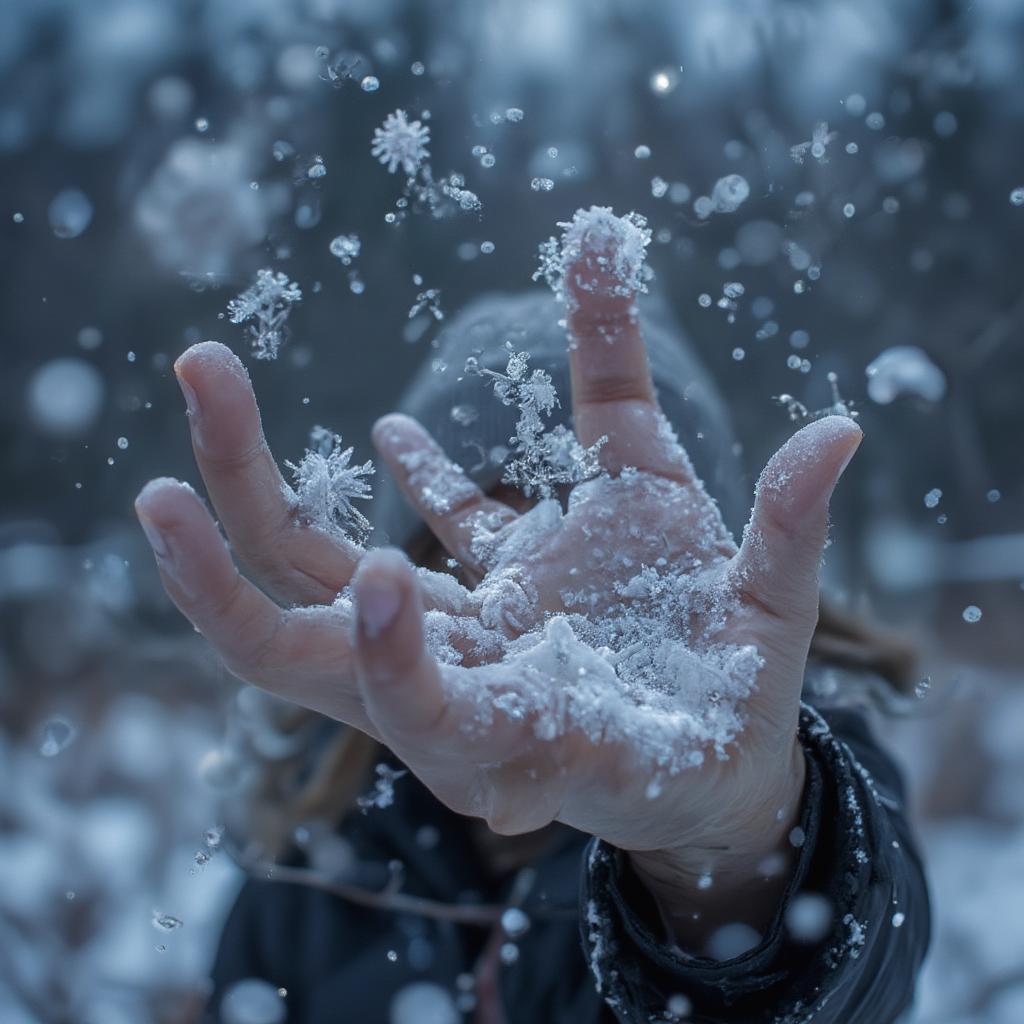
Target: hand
(718, 820)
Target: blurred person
(513, 878)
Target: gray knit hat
(474, 427)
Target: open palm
(365, 661)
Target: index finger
(242, 479)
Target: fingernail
(191, 400)
(378, 602)
(157, 540)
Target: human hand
(719, 818)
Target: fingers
(400, 681)
(781, 551)
(304, 656)
(297, 564)
(445, 498)
(612, 390)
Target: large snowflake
(267, 302)
(327, 483)
(400, 142)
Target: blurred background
(155, 154)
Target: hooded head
(474, 427)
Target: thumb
(399, 679)
(781, 551)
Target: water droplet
(487, 160)
(514, 922)
(56, 736)
(202, 125)
(898, 918)
(18, 218)
(509, 953)
(418, 68)
(253, 1001)
(70, 213)
(370, 83)
(122, 443)
(165, 922)
(642, 152)
(487, 248)
(972, 613)
(1017, 196)
(513, 114)
(932, 498)
(542, 184)
(849, 210)
(679, 1006)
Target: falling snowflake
(268, 302)
(428, 299)
(383, 792)
(839, 407)
(541, 459)
(401, 143)
(817, 146)
(326, 484)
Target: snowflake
(839, 406)
(817, 146)
(541, 459)
(268, 301)
(428, 298)
(326, 484)
(383, 792)
(401, 143)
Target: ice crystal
(839, 406)
(383, 792)
(618, 246)
(326, 483)
(267, 302)
(346, 248)
(427, 299)
(727, 196)
(400, 142)
(540, 459)
(817, 146)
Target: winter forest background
(155, 154)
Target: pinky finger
(200, 576)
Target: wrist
(734, 872)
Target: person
(544, 877)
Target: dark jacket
(594, 951)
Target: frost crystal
(428, 298)
(268, 302)
(326, 484)
(400, 142)
(383, 793)
(540, 459)
(618, 246)
(727, 196)
(346, 248)
(817, 146)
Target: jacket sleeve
(858, 853)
